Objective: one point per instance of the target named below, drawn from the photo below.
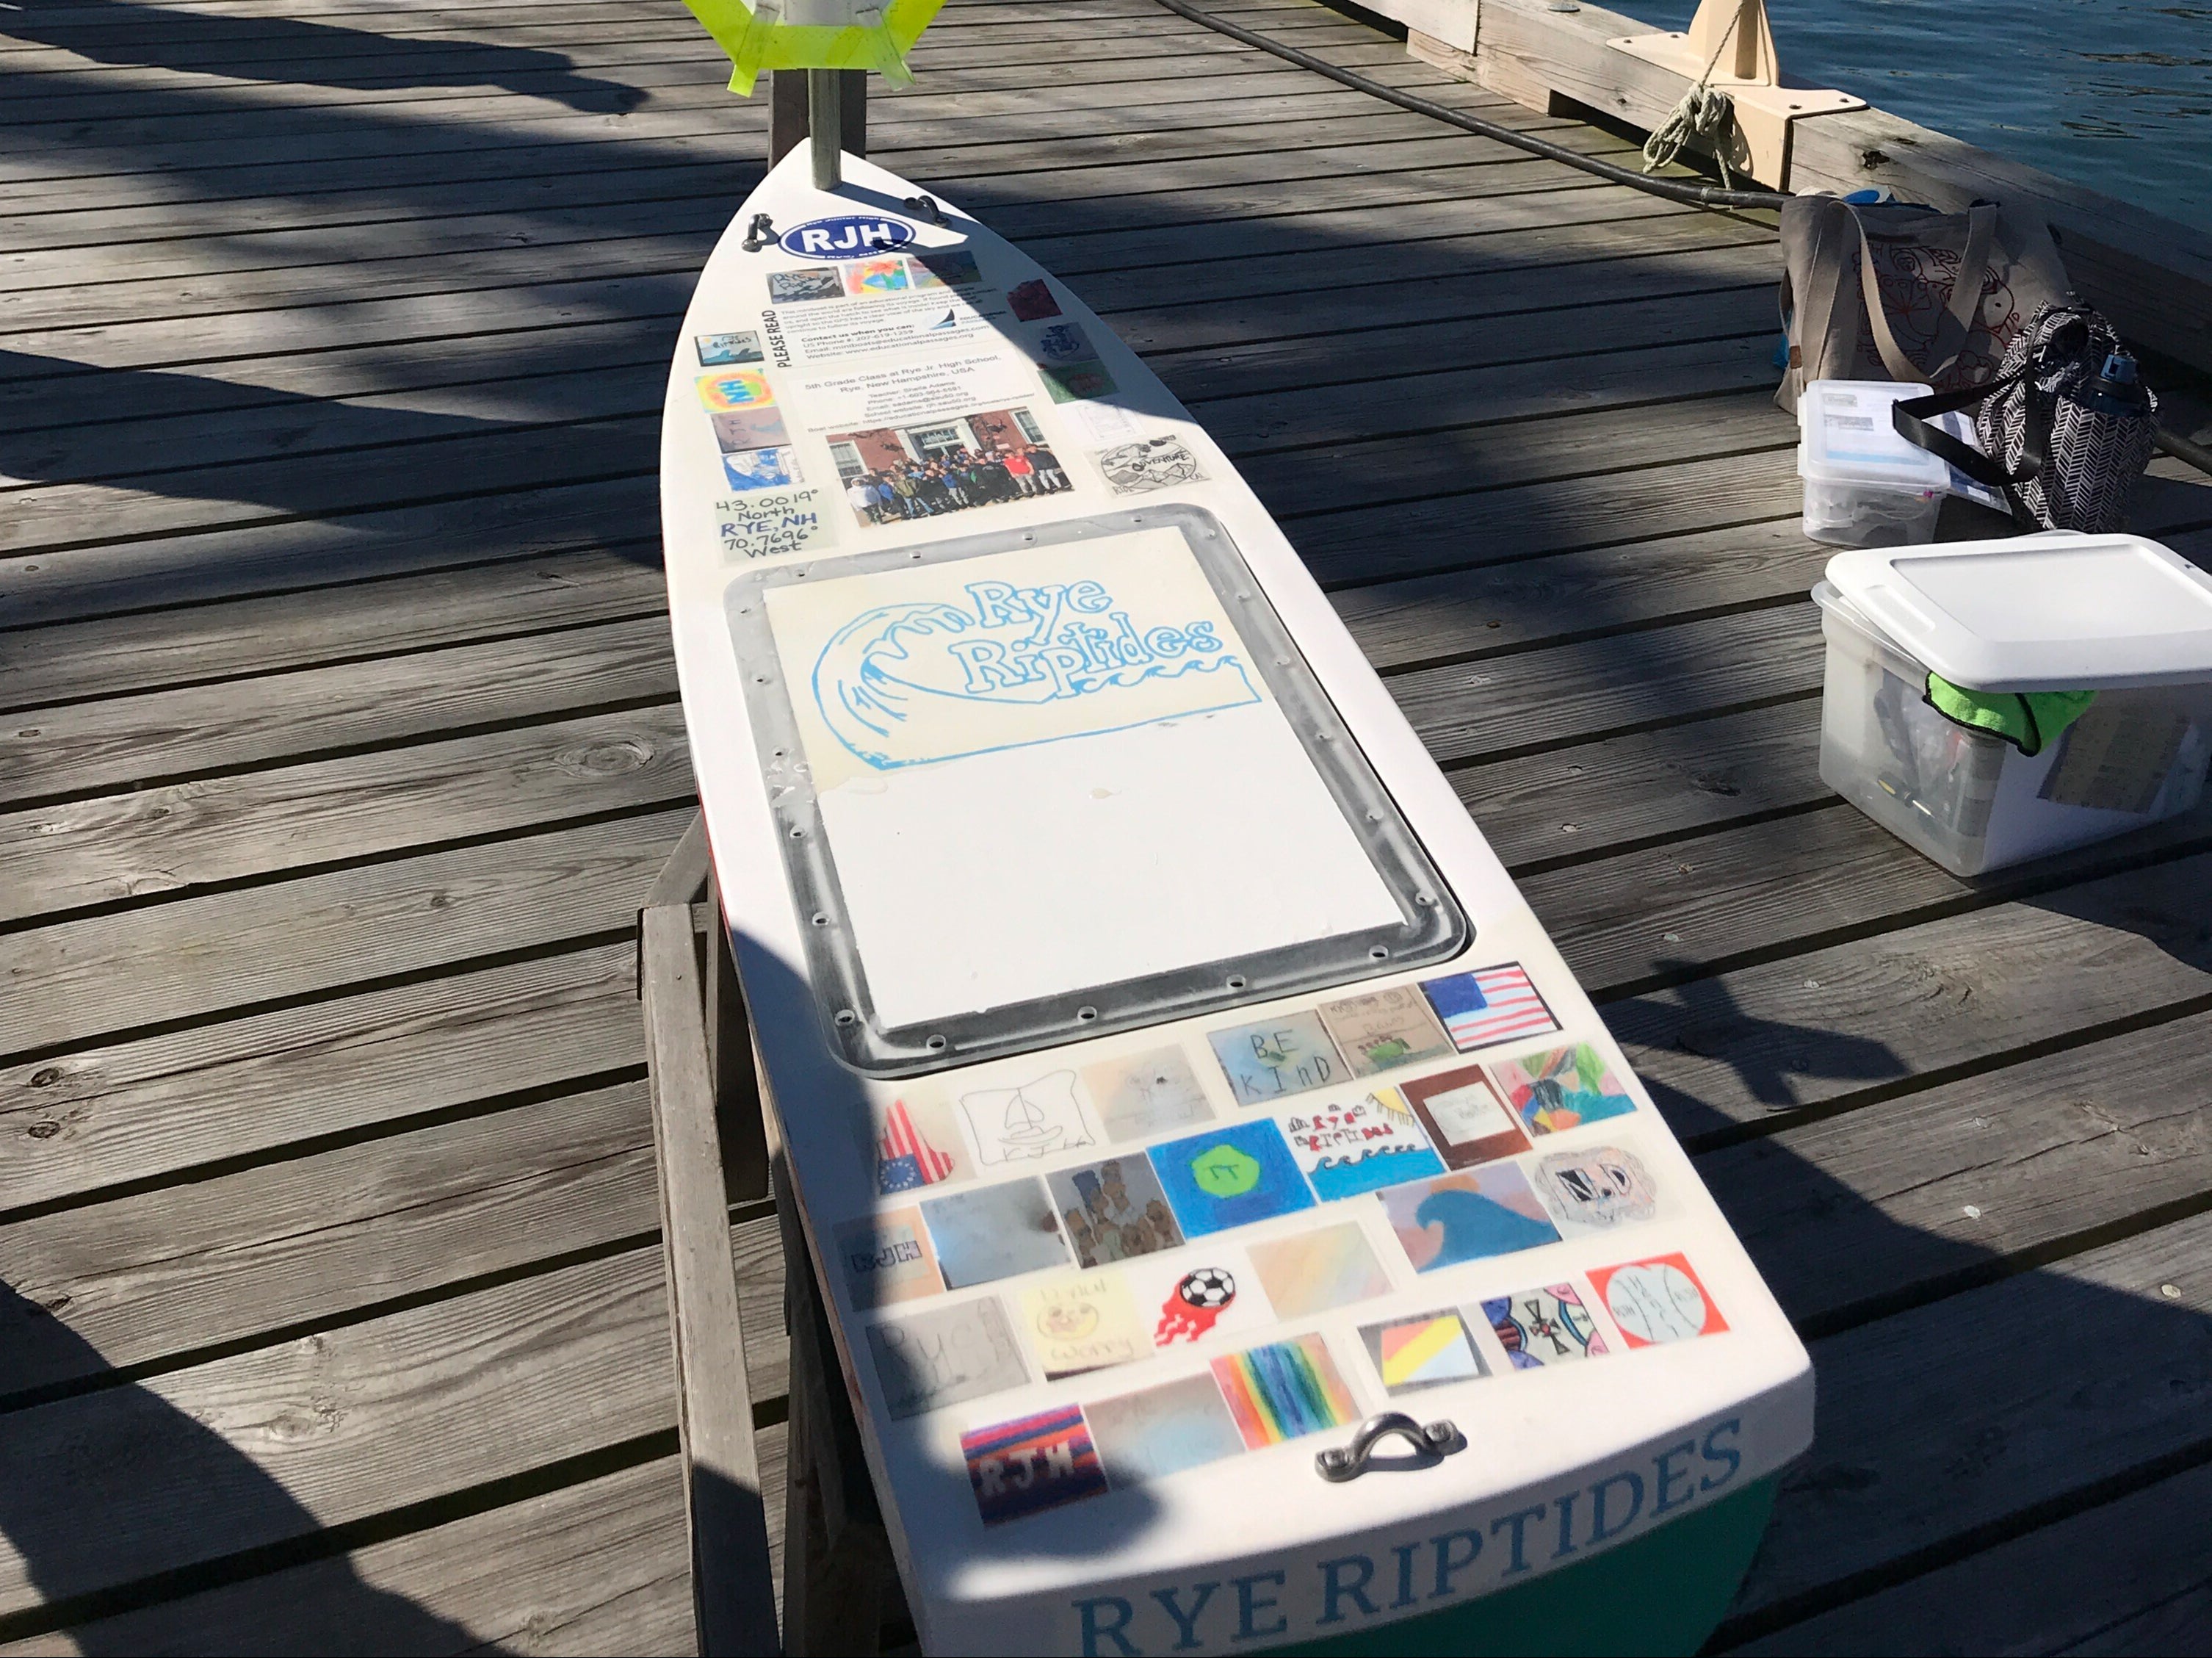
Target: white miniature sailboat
(1184, 1107)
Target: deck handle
(1432, 1444)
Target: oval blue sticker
(846, 239)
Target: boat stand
(717, 1149)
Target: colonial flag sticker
(1032, 1464)
(1490, 1004)
(912, 1149)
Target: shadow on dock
(68, 1457)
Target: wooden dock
(339, 746)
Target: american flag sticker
(1489, 1005)
(913, 1150)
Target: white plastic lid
(2055, 611)
(1849, 437)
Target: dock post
(825, 125)
(789, 93)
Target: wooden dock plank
(137, 577)
(1932, 1430)
(114, 848)
(307, 1241)
(1555, 805)
(1895, 1203)
(1855, 1021)
(273, 1444)
(193, 957)
(1576, 560)
(599, 1567)
(2123, 1576)
(478, 603)
(140, 1111)
(136, 740)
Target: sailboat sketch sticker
(1040, 1118)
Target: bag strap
(1911, 417)
(1808, 319)
(1966, 296)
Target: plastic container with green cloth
(1989, 702)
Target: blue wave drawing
(890, 689)
(1475, 1227)
(1372, 1170)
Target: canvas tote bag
(1875, 291)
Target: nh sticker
(845, 238)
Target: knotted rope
(1704, 114)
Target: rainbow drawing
(1283, 1391)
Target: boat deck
(340, 745)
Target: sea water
(2113, 93)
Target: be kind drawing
(1002, 666)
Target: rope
(1674, 190)
(1703, 116)
(1678, 189)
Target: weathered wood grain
(476, 603)
(1764, 886)
(1561, 804)
(1518, 602)
(144, 574)
(674, 172)
(1623, 682)
(731, 1584)
(136, 1111)
(1898, 1201)
(174, 838)
(1819, 1029)
(194, 957)
(1591, 508)
(166, 114)
(120, 742)
(1984, 1408)
(310, 1241)
(277, 1442)
(2123, 1576)
(598, 1567)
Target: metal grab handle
(1438, 1441)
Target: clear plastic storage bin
(1972, 801)
(1865, 486)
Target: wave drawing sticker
(908, 684)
